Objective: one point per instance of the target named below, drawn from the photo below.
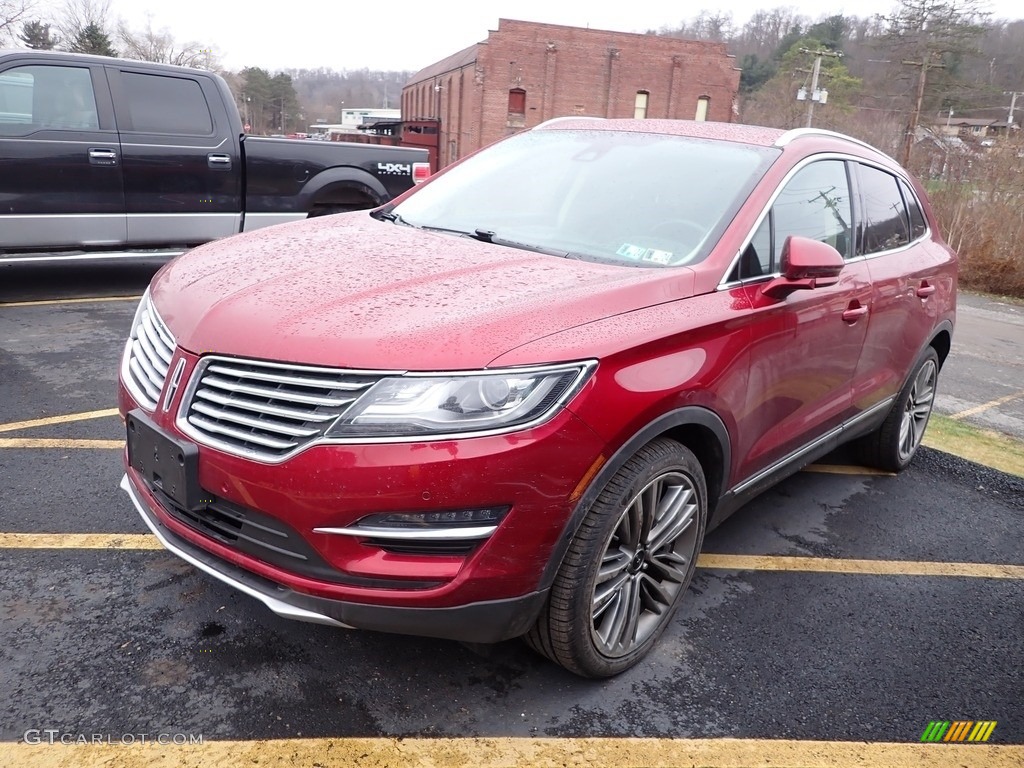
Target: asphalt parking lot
(842, 609)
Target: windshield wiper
(391, 216)
(483, 235)
(489, 236)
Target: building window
(702, 108)
(640, 105)
(517, 101)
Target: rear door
(60, 183)
(182, 174)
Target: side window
(702, 108)
(640, 105)
(816, 204)
(161, 104)
(517, 102)
(917, 223)
(885, 217)
(38, 97)
(757, 256)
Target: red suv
(512, 402)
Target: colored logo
(958, 730)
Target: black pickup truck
(104, 157)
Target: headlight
(450, 404)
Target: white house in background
(351, 119)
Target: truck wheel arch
(342, 189)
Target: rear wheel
(893, 445)
(628, 566)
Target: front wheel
(628, 565)
(893, 445)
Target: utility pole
(915, 117)
(814, 89)
(816, 95)
(1013, 105)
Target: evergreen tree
(92, 39)
(36, 35)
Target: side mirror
(806, 264)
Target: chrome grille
(267, 410)
(150, 348)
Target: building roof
(453, 62)
(973, 121)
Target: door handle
(101, 156)
(854, 313)
(925, 290)
(219, 162)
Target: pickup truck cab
(107, 157)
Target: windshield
(640, 199)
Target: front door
(60, 183)
(804, 349)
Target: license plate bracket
(165, 462)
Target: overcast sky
(407, 34)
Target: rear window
(885, 216)
(631, 198)
(917, 223)
(170, 105)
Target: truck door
(182, 173)
(61, 185)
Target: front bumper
(480, 622)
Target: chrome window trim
(585, 368)
(725, 284)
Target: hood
(353, 292)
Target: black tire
(892, 446)
(628, 565)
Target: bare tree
(12, 14)
(160, 46)
(77, 16)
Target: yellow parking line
(710, 561)
(987, 406)
(868, 567)
(45, 302)
(32, 442)
(78, 541)
(507, 752)
(66, 418)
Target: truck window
(169, 105)
(38, 97)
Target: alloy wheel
(917, 410)
(645, 563)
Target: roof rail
(797, 133)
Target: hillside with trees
(901, 81)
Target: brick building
(525, 73)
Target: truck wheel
(628, 565)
